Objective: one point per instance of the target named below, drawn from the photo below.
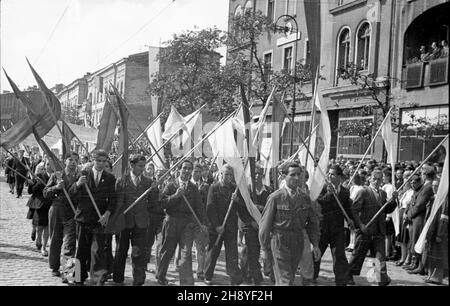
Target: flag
(316, 178)
(38, 116)
(193, 134)
(68, 135)
(440, 197)
(55, 163)
(223, 144)
(313, 27)
(154, 133)
(390, 139)
(121, 168)
(258, 138)
(107, 127)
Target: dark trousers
(108, 252)
(137, 237)
(364, 243)
(91, 252)
(62, 233)
(229, 238)
(335, 238)
(177, 231)
(287, 249)
(249, 263)
(152, 232)
(19, 184)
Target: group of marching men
(88, 207)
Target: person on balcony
(424, 55)
(444, 48)
(435, 51)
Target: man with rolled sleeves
(132, 226)
(366, 204)
(220, 195)
(332, 225)
(179, 224)
(90, 228)
(61, 216)
(287, 213)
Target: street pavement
(21, 264)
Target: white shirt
(389, 189)
(406, 198)
(354, 191)
(182, 183)
(97, 175)
(134, 178)
(291, 192)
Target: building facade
(377, 39)
(130, 76)
(73, 98)
(12, 110)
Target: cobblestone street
(21, 264)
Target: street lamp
(286, 29)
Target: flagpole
(171, 137)
(62, 136)
(219, 124)
(409, 178)
(16, 172)
(134, 143)
(370, 146)
(137, 123)
(313, 116)
(229, 206)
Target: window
(291, 7)
(267, 66)
(271, 10)
(343, 51)
(287, 59)
(340, 2)
(422, 130)
(349, 143)
(363, 47)
(248, 6)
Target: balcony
(425, 74)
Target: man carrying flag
(19, 166)
(61, 215)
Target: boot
(414, 264)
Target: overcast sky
(91, 33)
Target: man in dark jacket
(90, 227)
(420, 204)
(61, 215)
(180, 223)
(366, 204)
(332, 225)
(132, 226)
(220, 195)
(21, 165)
(249, 263)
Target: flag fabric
(194, 125)
(68, 135)
(313, 27)
(120, 169)
(107, 127)
(154, 133)
(440, 197)
(55, 163)
(38, 116)
(224, 145)
(316, 178)
(258, 138)
(390, 139)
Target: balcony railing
(425, 74)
